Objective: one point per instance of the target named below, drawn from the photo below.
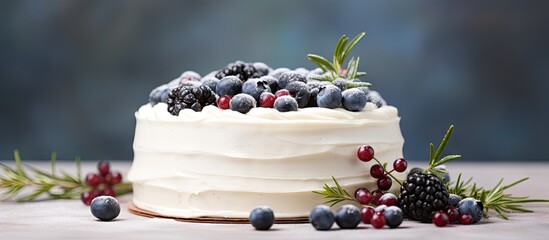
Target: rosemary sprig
(49, 185)
(434, 156)
(493, 199)
(335, 194)
(334, 70)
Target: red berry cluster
(366, 153)
(101, 184)
(266, 99)
(451, 215)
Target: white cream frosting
(221, 163)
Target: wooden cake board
(141, 212)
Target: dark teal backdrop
(72, 73)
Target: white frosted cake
(222, 163)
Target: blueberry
(366, 90)
(242, 103)
(341, 83)
(303, 71)
(285, 104)
(300, 91)
(375, 98)
(189, 76)
(321, 217)
(329, 96)
(313, 84)
(262, 68)
(317, 70)
(471, 207)
(159, 94)
(229, 86)
(254, 87)
(272, 81)
(211, 82)
(105, 208)
(262, 218)
(353, 99)
(288, 77)
(312, 98)
(393, 216)
(348, 216)
(453, 200)
(279, 71)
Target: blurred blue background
(72, 73)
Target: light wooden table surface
(70, 219)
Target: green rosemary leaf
(53, 160)
(350, 67)
(360, 74)
(17, 158)
(78, 168)
(321, 62)
(352, 44)
(444, 142)
(447, 158)
(431, 154)
(515, 183)
(338, 51)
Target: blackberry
(239, 69)
(421, 195)
(193, 97)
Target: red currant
(376, 171)
(365, 153)
(453, 214)
(108, 179)
(384, 183)
(400, 165)
(378, 220)
(440, 219)
(466, 219)
(92, 179)
(87, 197)
(116, 178)
(376, 195)
(363, 196)
(367, 213)
(388, 199)
(223, 102)
(103, 167)
(267, 100)
(282, 92)
(109, 192)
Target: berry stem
(387, 172)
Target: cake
(196, 159)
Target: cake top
(242, 86)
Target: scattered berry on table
(322, 218)
(282, 92)
(271, 81)
(365, 153)
(223, 102)
(388, 199)
(109, 191)
(384, 183)
(239, 69)
(453, 200)
(105, 208)
(300, 92)
(380, 208)
(242, 103)
(194, 98)
(329, 96)
(229, 86)
(421, 195)
(378, 220)
(87, 197)
(400, 165)
(104, 167)
(453, 214)
(367, 213)
(262, 218)
(440, 219)
(285, 104)
(348, 216)
(363, 196)
(376, 195)
(465, 219)
(254, 87)
(377, 171)
(393, 216)
(353, 99)
(289, 76)
(471, 206)
(267, 100)
(92, 179)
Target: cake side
(220, 163)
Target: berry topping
(322, 218)
(363, 196)
(282, 92)
(229, 86)
(285, 104)
(348, 216)
(378, 220)
(211, 82)
(393, 216)
(367, 213)
(365, 153)
(254, 87)
(353, 99)
(262, 68)
(329, 96)
(288, 77)
(194, 98)
(103, 167)
(400, 165)
(300, 92)
(223, 102)
(262, 218)
(159, 94)
(239, 69)
(105, 208)
(440, 219)
(267, 100)
(189, 76)
(271, 81)
(375, 98)
(470, 206)
(242, 103)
